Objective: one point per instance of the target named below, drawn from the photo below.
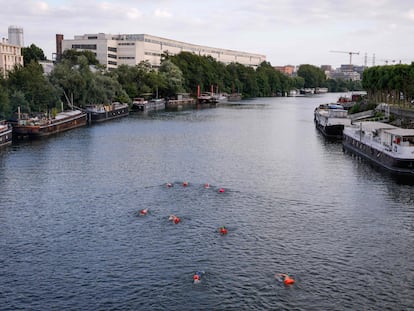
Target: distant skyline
(288, 32)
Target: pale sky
(288, 32)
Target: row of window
(84, 46)
(10, 49)
(126, 43)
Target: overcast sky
(286, 31)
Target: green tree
(38, 91)
(313, 76)
(32, 53)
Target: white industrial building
(131, 49)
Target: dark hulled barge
(385, 145)
(101, 113)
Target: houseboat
(330, 120)
(100, 113)
(5, 134)
(383, 144)
(141, 104)
(40, 126)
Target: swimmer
(169, 185)
(223, 230)
(286, 279)
(175, 219)
(185, 184)
(197, 277)
(206, 185)
(143, 212)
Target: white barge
(330, 120)
(383, 144)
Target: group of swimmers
(287, 280)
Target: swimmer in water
(185, 184)
(174, 219)
(143, 212)
(207, 186)
(197, 277)
(286, 279)
(169, 185)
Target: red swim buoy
(223, 230)
(143, 212)
(221, 190)
(196, 277)
(176, 220)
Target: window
(111, 49)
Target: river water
(72, 237)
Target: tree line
(79, 79)
(390, 84)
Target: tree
(39, 93)
(170, 79)
(313, 76)
(4, 100)
(32, 53)
(73, 57)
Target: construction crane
(350, 54)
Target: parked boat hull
(5, 136)
(381, 152)
(116, 111)
(51, 127)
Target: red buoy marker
(174, 219)
(221, 190)
(223, 230)
(143, 212)
(286, 279)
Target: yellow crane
(347, 52)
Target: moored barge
(140, 104)
(5, 134)
(44, 126)
(101, 113)
(383, 144)
(330, 120)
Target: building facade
(131, 49)
(10, 55)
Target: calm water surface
(72, 237)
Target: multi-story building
(131, 49)
(287, 70)
(10, 55)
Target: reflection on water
(72, 236)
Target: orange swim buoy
(288, 281)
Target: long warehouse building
(131, 49)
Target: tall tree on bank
(39, 94)
(313, 76)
